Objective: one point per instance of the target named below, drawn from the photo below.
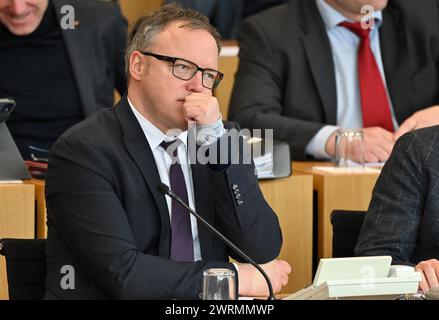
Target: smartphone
(6, 107)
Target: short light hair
(146, 28)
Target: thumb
(407, 126)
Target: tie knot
(170, 147)
(357, 28)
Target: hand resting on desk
(429, 270)
(252, 283)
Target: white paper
(231, 51)
(347, 170)
(10, 181)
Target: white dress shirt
(163, 161)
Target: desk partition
(347, 191)
(17, 219)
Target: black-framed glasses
(185, 70)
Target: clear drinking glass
(219, 284)
(349, 148)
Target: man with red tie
(310, 67)
(106, 218)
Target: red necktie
(374, 101)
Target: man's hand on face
(421, 119)
(201, 108)
(378, 144)
(430, 274)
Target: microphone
(164, 189)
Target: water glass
(349, 148)
(219, 284)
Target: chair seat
(346, 226)
(25, 267)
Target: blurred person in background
(58, 75)
(226, 15)
(309, 67)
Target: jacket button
(239, 202)
(235, 186)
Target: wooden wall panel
(132, 9)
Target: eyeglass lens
(186, 70)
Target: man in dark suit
(403, 216)
(106, 218)
(311, 66)
(60, 60)
(226, 15)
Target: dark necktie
(182, 248)
(374, 101)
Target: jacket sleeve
(241, 210)
(394, 217)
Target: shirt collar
(332, 18)
(154, 135)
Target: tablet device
(12, 166)
(6, 107)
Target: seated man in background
(403, 216)
(57, 75)
(226, 15)
(106, 217)
(309, 67)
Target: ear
(136, 65)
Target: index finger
(423, 285)
(196, 96)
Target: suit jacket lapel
(74, 42)
(318, 51)
(393, 44)
(204, 206)
(139, 149)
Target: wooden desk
(335, 191)
(291, 199)
(17, 220)
(228, 64)
(40, 216)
